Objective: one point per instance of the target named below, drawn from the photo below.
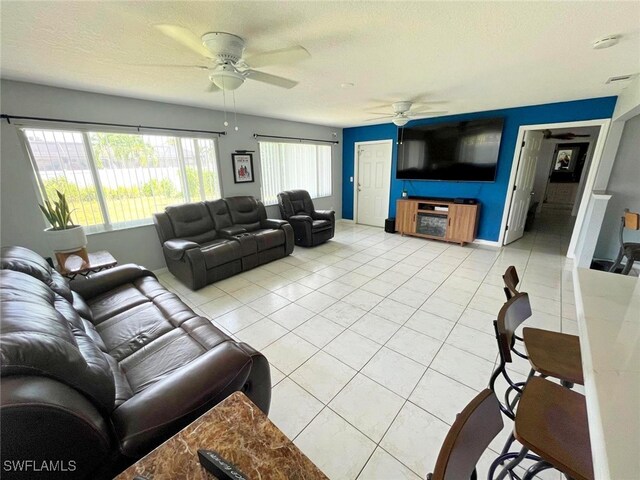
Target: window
(287, 166)
(116, 180)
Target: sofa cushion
(246, 212)
(23, 260)
(268, 238)
(38, 340)
(220, 252)
(191, 221)
(220, 213)
(320, 225)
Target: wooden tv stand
(437, 219)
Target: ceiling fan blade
(186, 37)
(274, 57)
(270, 79)
(425, 114)
(426, 110)
(386, 117)
(201, 67)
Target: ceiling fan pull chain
(224, 102)
(235, 111)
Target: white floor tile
(375, 328)
(316, 301)
(289, 352)
(220, 306)
(478, 320)
(473, 341)
(443, 308)
(261, 333)
(409, 297)
(382, 466)
(430, 324)
(415, 438)
(397, 372)
(269, 303)
(414, 345)
(276, 375)
(292, 407)
(337, 448)
(319, 331)
(378, 287)
(352, 349)
(323, 376)
(336, 289)
(238, 319)
(441, 396)
(343, 313)
(394, 311)
(367, 406)
(291, 316)
(363, 299)
(314, 281)
(250, 293)
(464, 367)
(293, 291)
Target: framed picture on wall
(565, 159)
(242, 167)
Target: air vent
(620, 78)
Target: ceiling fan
(563, 136)
(402, 113)
(225, 61)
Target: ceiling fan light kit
(227, 78)
(400, 121)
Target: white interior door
(523, 188)
(373, 182)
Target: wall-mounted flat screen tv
(461, 151)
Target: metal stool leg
(536, 468)
(513, 463)
(628, 266)
(617, 261)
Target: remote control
(218, 466)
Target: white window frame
(317, 179)
(106, 225)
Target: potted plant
(63, 235)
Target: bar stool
(631, 250)
(550, 421)
(470, 435)
(551, 354)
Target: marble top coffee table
(238, 431)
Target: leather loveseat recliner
(208, 241)
(97, 375)
(311, 227)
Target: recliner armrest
(102, 282)
(273, 223)
(231, 231)
(176, 247)
(301, 218)
(324, 215)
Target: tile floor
(377, 341)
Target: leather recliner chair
(97, 376)
(311, 227)
(208, 241)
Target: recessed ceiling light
(606, 42)
(346, 85)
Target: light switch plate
(351, 179)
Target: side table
(239, 432)
(75, 265)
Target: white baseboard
(488, 243)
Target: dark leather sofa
(208, 241)
(97, 375)
(311, 227)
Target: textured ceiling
(471, 56)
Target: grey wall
(625, 190)
(21, 223)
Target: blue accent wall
(490, 195)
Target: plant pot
(68, 240)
